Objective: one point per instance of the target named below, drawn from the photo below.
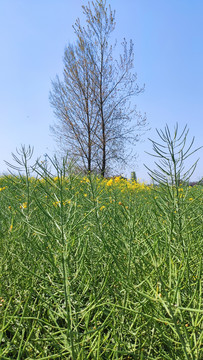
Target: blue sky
(168, 46)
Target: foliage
(89, 273)
(94, 268)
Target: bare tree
(96, 119)
(73, 102)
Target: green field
(96, 268)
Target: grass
(99, 269)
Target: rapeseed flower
(57, 203)
(110, 182)
(24, 205)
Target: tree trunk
(103, 168)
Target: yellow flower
(11, 227)
(190, 199)
(57, 203)
(110, 182)
(1, 301)
(3, 188)
(85, 179)
(117, 179)
(102, 207)
(24, 206)
(85, 195)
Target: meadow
(94, 268)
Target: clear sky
(168, 45)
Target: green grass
(97, 269)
